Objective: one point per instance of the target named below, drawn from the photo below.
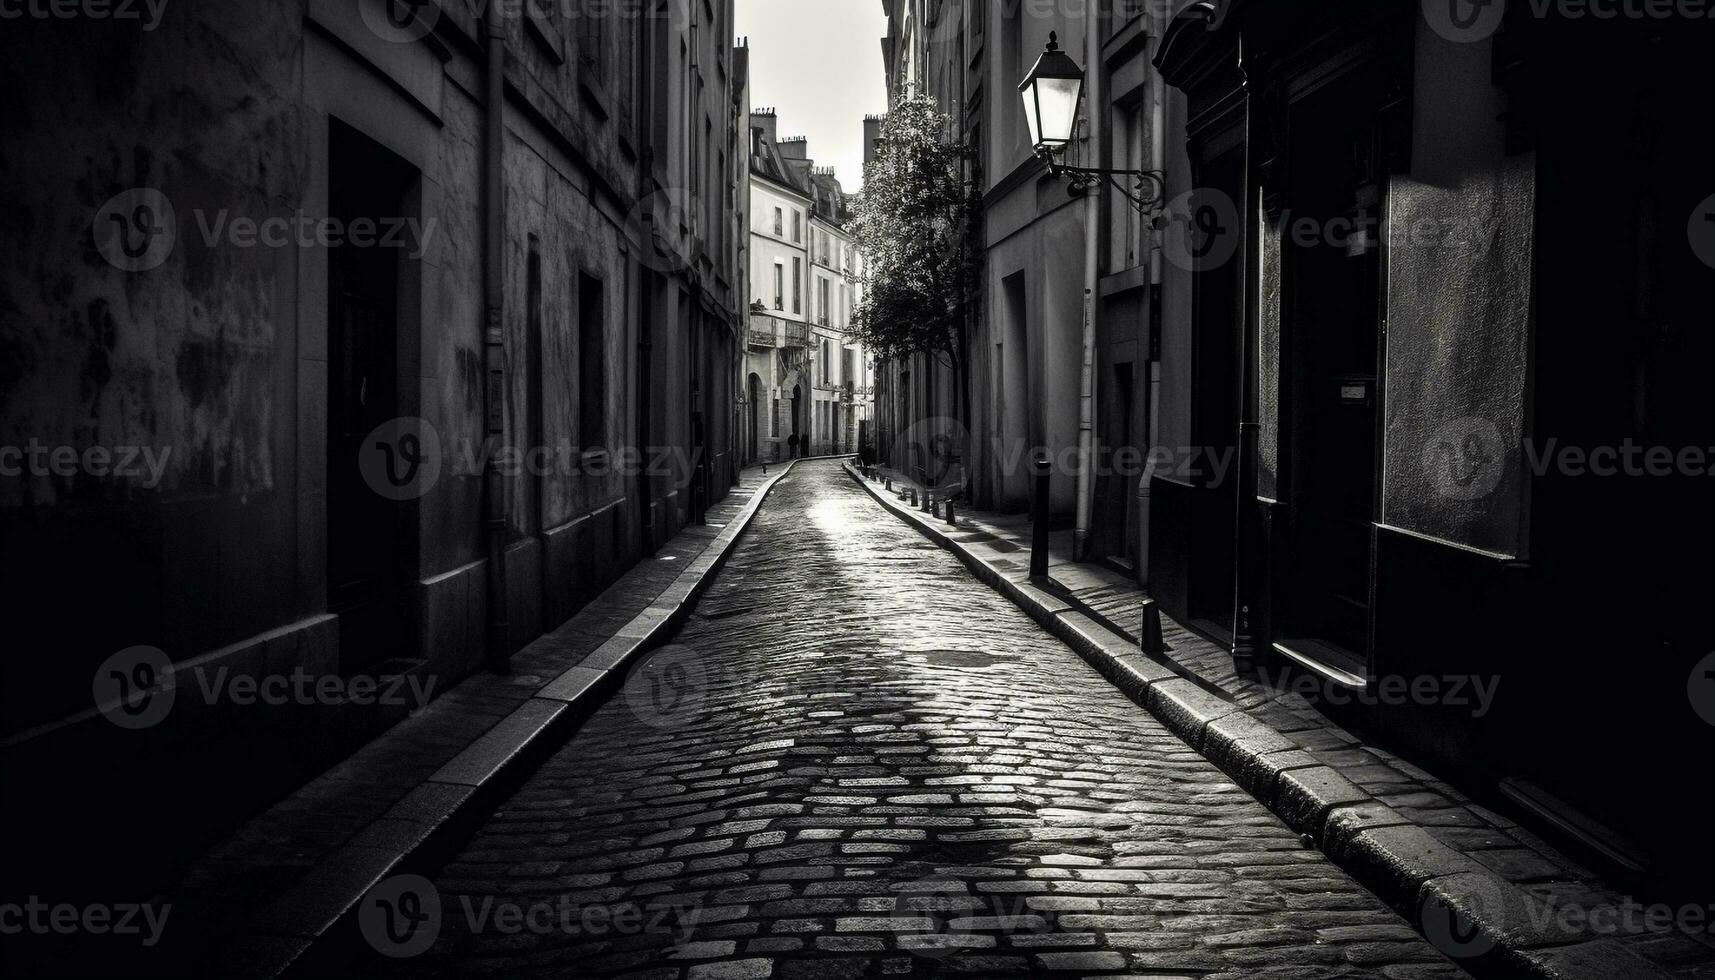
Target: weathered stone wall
(209, 355)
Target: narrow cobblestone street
(857, 760)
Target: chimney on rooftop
(765, 120)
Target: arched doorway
(797, 441)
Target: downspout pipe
(495, 491)
(1248, 569)
(1157, 94)
(1092, 229)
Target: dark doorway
(796, 441)
(1218, 295)
(1114, 535)
(1332, 329)
(753, 402)
(368, 564)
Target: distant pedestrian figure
(792, 446)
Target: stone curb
(311, 928)
(1484, 923)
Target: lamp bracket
(1147, 191)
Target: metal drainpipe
(1158, 163)
(645, 354)
(494, 485)
(1092, 228)
(1248, 574)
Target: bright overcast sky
(818, 63)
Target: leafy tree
(916, 226)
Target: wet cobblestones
(856, 760)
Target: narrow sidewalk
(1481, 887)
(289, 877)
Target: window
(797, 284)
(779, 286)
(1012, 66)
(822, 301)
(591, 48)
(827, 367)
(1127, 126)
(774, 419)
(625, 71)
(592, 364)
(779, 223)
(846, 373)
(798, 227)
(706, 175)
(533, 421)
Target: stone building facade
(422, 327)
(1367, 376)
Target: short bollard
(1149, 634)
(950, 518)
(890, 484)
(1039, 518)
(913, 496)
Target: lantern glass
(1033, 116)
(1057, 111)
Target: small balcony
(771, 331)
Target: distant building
(806, 379)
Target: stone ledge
(1304, 798)
(1187, 709)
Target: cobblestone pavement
(856, 760)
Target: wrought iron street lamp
(1051, 95)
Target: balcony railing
(772, 331)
